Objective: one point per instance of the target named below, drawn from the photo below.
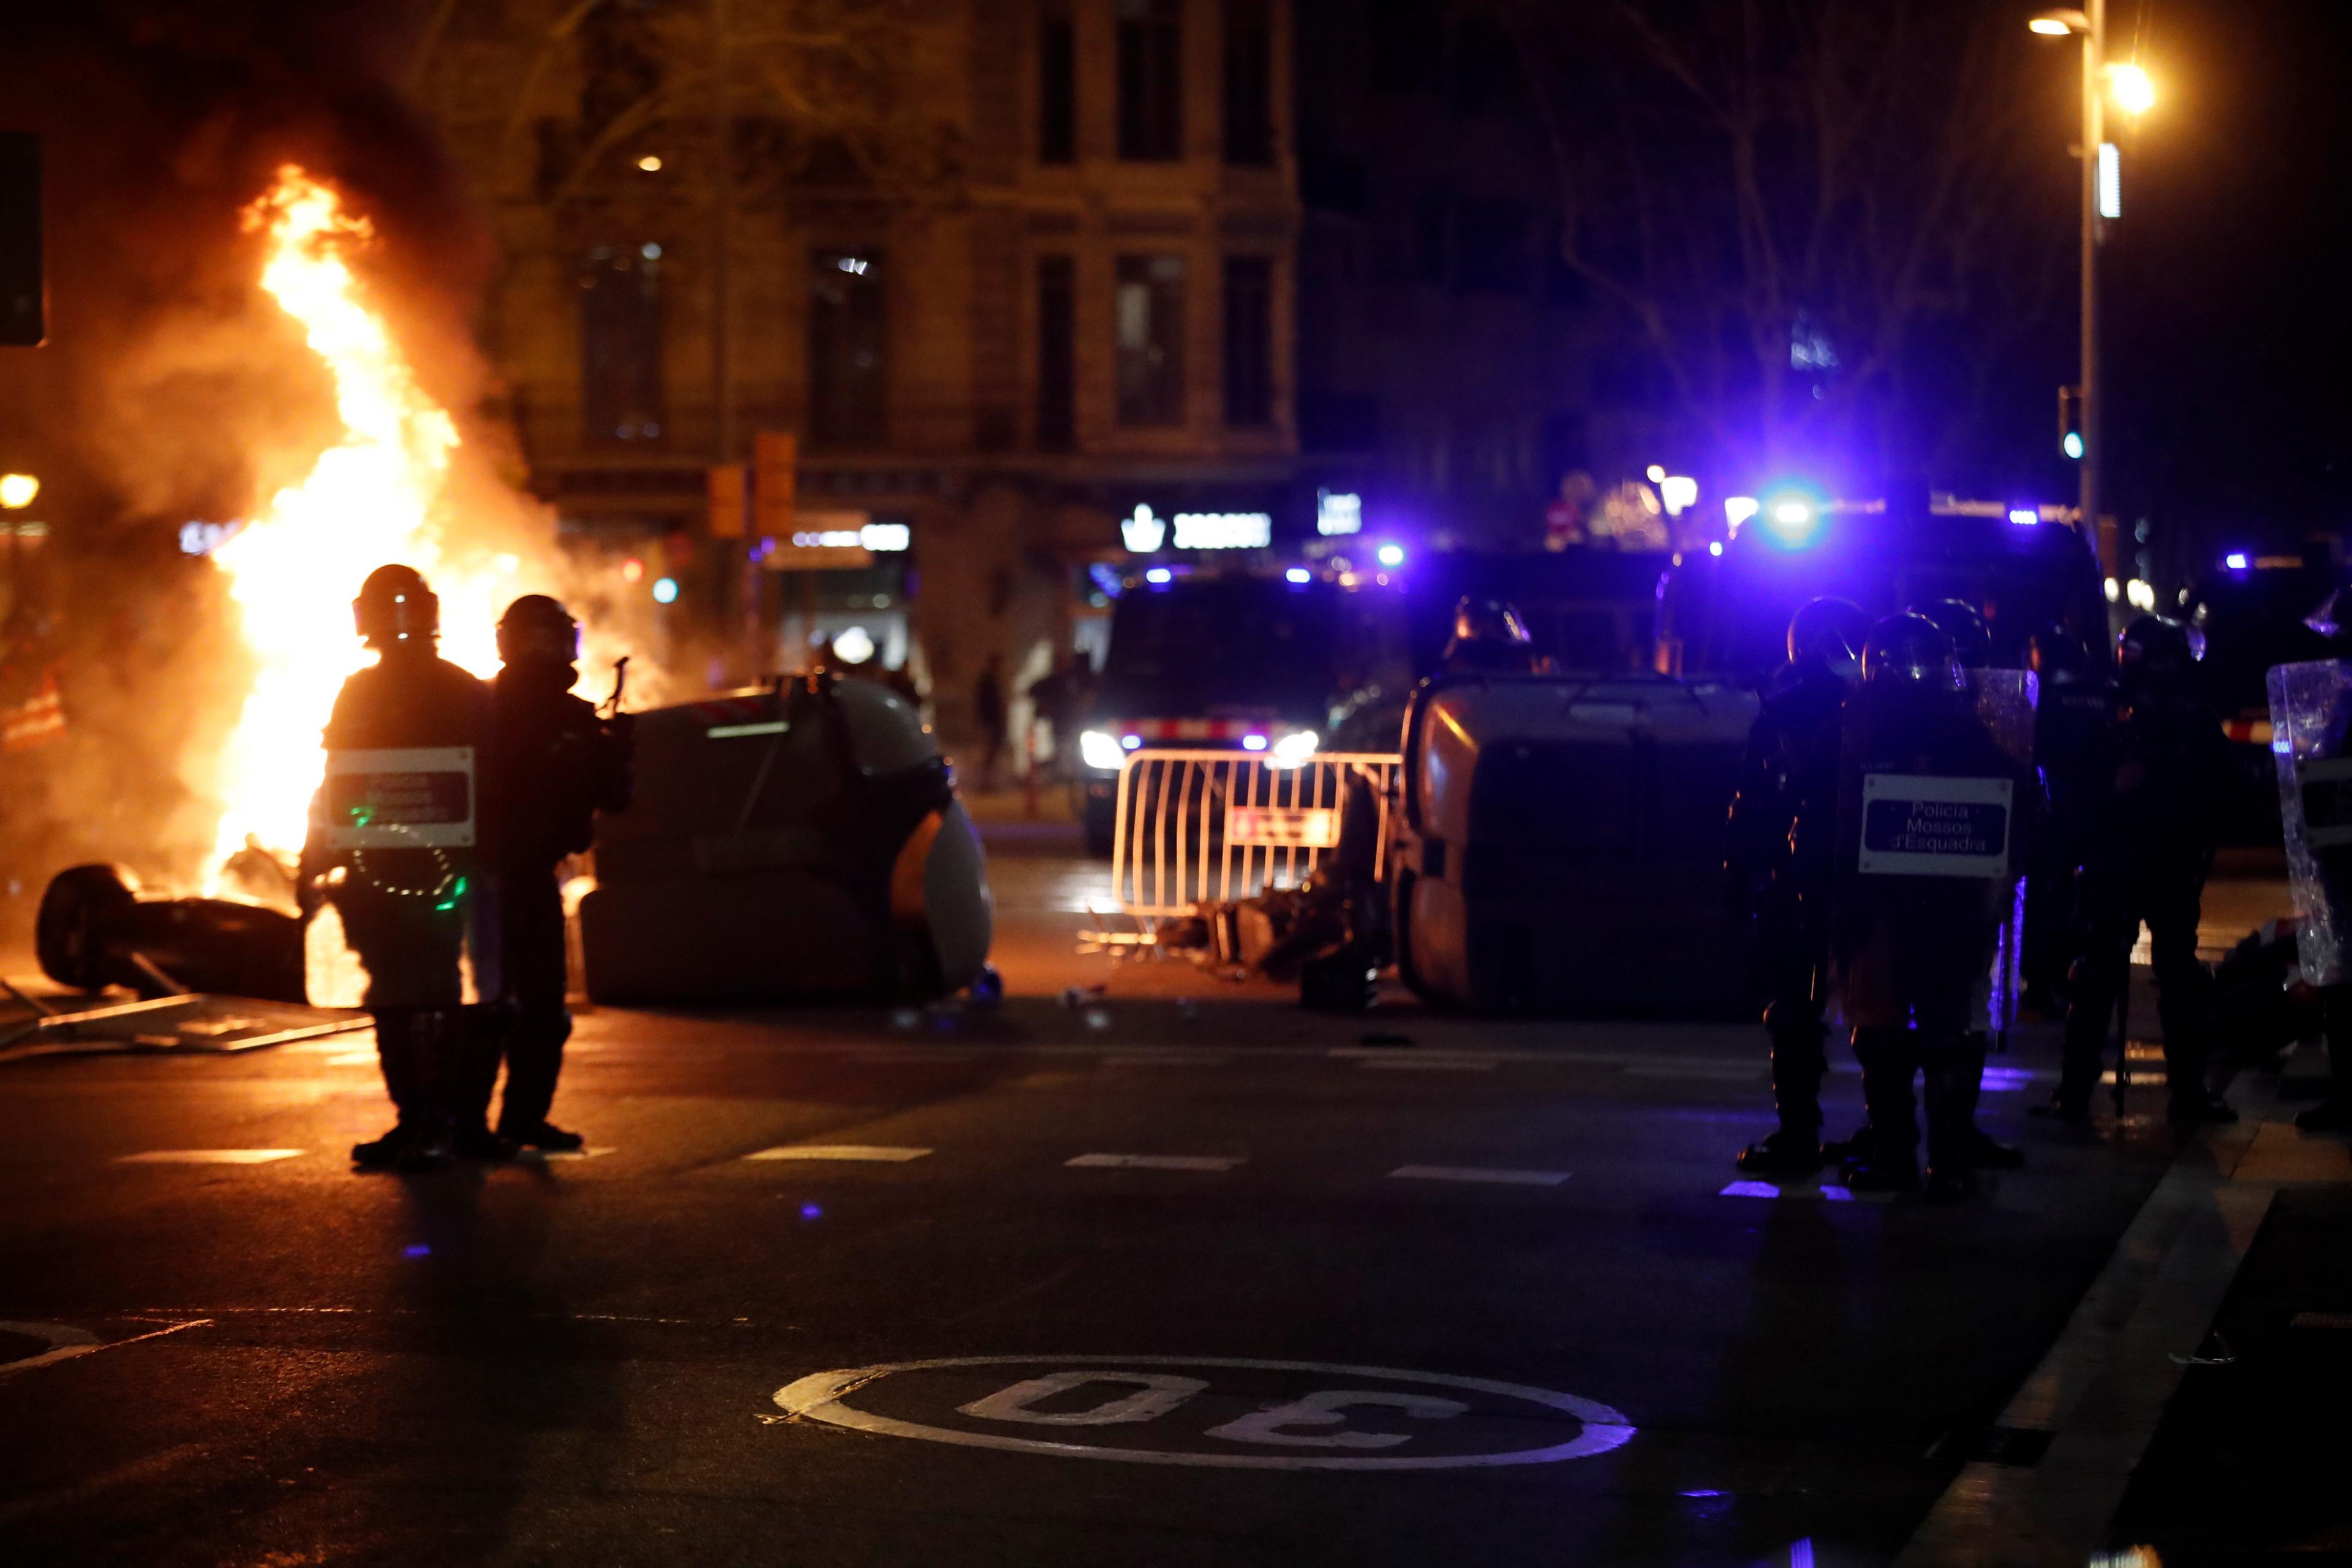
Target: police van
(1725, 610)
(1277, 661)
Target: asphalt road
(1517, 1315)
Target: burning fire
(369, 499)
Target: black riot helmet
(538, 627)
(396, 608)
(2155, 653)
(2052, 652)
(1489, 635)
(1911, 651)
(1971, 643)
(1828, 634)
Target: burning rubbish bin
(799, 844)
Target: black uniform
(1781, 830)
(1910, 952)
(2074, 745)
(2152, 833)
(554, 763)
(403, 911)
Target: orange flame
(369, 499)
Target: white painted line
(206, 1156)
(1478, 1173)
(1163, 1059)
(351, 1059)
(877, 1153)
(1828, 1192)
(65, 1344)
(565, 1153)
(1430, 1064)
(1716, 1072)
(1154, 1161)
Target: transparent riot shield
(2310, 741)
(2006, 699)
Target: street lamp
(2134, 94)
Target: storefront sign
(1144, 531)
(1338, 513)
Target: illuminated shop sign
(1338, 513)
(1144, 531)
(882, 538)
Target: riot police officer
(1779, 862)
(554, 763)
(400, 889)
(1930, 814)
(2155, 829)
(1489, 638)
(2072, 726)
(1972, 648)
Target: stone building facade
(1074, 297)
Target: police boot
(1986, 1153)
(1797, 1067)
(1887, 1161)
(429, 1128)
(1951, 1175)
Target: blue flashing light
(1253, 742)
(2074, 445)
(1392, 554)
(2236, 560)
(1159, 576)
(1130, 742)
(1298, 575)
(1714, 547)
(2024, 516)
(1792, 519)
(664, 590)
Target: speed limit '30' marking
(1210, 1412)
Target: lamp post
(2133, 93)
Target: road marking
(1430, 1064)
(206, 1156)
(1478, 1173)
(1828, 1192)
(1314, 1431)
(1718, 1072)
(877, 1153)
(1154, 1161)
(351, 1059)
(66, 1343)
(1163, 1059)
(567, 1153)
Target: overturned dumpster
(1559, 846)
(802, 842)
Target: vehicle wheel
(68, 931)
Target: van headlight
(1099, 750)
(1293, 749)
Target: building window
(1249, 82)
(847, 384)
(1151, 79)
(1057, 374)
(1058, 85)
(620, 344)
(1249, 341)
(1150, 332)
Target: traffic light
(2070, 422)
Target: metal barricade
(1220, 824)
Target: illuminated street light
(2130, 85)
(2058, 23)
(650, 164)
(17, 491)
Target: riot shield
(2006, 701)
(1928, 852)
(2311, 743)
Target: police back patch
(1917, 825)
